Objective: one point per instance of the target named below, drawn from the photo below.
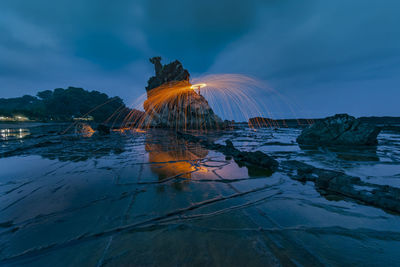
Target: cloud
(16, 29)
(315, 52)
(195, 31)
(36, 54)
(323, 48)
(98, 44)
(98, 31)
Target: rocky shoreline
(329, 182)
(142, 190)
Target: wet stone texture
(150, 198)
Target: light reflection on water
(173, 157)
(181, 159)
(7, 134)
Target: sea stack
(171, 103)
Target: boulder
(340, 129)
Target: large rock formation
(340, 129)
(171, 103)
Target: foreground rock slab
(256, 158)
(340, 129)
(335, 182)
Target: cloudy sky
(324, 57)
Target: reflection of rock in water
(251, 159)
(178, 157)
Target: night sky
(325, 57)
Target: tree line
(64, 105)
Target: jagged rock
(339, 183)
(184, 110)
(340, 129)
(171, 72)
(256, 158)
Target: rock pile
(340, 129)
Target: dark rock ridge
(185, 110)
(257, 158)
(335, 182)
(340, 129)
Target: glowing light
(229, 96)
(7, 134)
(140, 131)
(15, 118)
(198, 85)
(87, 118)
(84, 130)
(182, 160)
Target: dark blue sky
(326, 57)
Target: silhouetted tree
(64, 104)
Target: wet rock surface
(80, 143)
(340, 129)
(335, 182)
(257, 158)
(150, 198)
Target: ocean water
(150, 198)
